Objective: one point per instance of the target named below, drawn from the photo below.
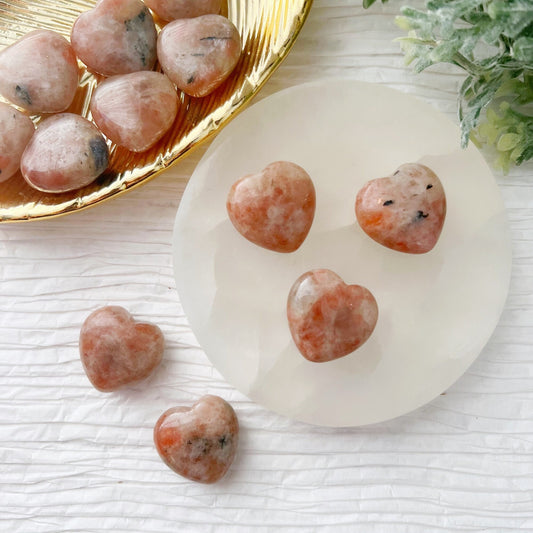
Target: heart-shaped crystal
(16, 130)
(405, 211)
(65, 153)
(198, 54)
(275, 207)
(116, 350)
(327, 318)
(39, 72)
(199, 442)
(116, 37)
(135, 110)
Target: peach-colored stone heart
(199, 442)
(116, 37)
(16, 130)
(66, 152)
(135, 110)
(116, 350)
(183, 9)
(198, 54)
(327, 318)
(404, 212)
(39, 72)
(275, 207)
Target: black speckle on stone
(190, 80)
(100, 153)
(198, 55)
(223, 441)
(23, 94)
(388, 202)
(429, 186)
(215, 38)
(420, 215)
(397, 172)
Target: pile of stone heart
(134, 107)
(275, 209)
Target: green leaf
(522, 50)
(507, 142)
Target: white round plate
(437, 310)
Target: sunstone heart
(275, 207)
(116, 37)
(327, 318)
(405, 211)
(198, 54)
(39, 72)
(198, 442)
(116, 350)
(135, 110)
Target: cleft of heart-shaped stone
(116, 37)
(198, 442)
(275, 207)
(198, 54)
(39, 72)
(135, 110)
(405, 211)
(327, 318)
(116, 350)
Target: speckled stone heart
(135, 110)
(198, 54)
(327, 318)
(116, 37)
(404, 212)
(16, 131)
(39, 72)
(275, 207)
(116, 350)
(199, 442)
(66, 152)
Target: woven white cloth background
(76, 460)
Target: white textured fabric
(76, 460)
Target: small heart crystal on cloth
(404, 212)
(327, 318)
(116, 350)
(275, 207)
(198, 442)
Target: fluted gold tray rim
(207, 135)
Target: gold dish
(268, 29)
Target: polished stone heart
(39, 72)
(16, 130)
(116, 350)
(183, 9)
(199, 442)
(275, 207)
(66, 152)
(116, 37)
(327, 318)
(135, 110)
(198, 54)
(404, 212)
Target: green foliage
(492, 40)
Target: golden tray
(268, 29)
